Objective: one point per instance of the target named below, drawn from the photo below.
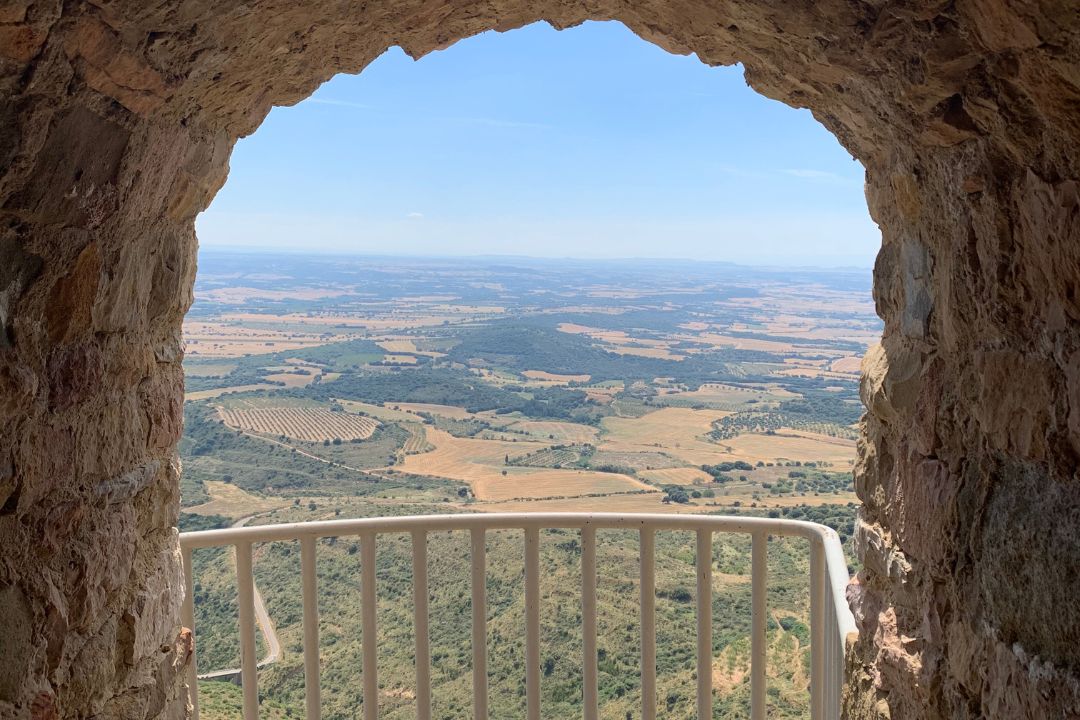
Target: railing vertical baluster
(479, 624)
(817, 630)
(648, 623)
(835, 669)
(369, 626)
(188, 615)
(249, 671)
(420, 622)
(838, 661)
(311, 627)
(532, 623)
(704, 623)
(759, 574)
(827, 674)
(588, 621)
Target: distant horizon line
(322, 252)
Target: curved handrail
(829, 576)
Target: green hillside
(278, 577)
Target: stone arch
(116, 125)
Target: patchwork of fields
(523, 386)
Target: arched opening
(118, 130)
(586, 143)
(556, 382)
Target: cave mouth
(280, 136)
(118, 125)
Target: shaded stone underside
(116, 125)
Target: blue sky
(588, 142)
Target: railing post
(532, 623)
(188, 615)
(249, 670)
(369, 610)
(704, 624)
(479, 624)
(758, 621)
(311, 627)
(648, 623)
(817, 630)
(420, 622)
(588, 622)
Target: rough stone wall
(116, 121)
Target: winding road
(262, 617)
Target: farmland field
(311, 424)
(449, 411)
(482, 464)
(378, 411)
(218, 392)
(233, 502)
(417, 442)
(321, 388)
(792, 444)
(542, 376)
(677, 476)
(559, 432)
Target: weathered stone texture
(116, 123)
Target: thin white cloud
(415, 215)
(339, 103)
(497, 122)
(735, 171)
(483, 121)
(809, 174)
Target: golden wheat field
(481, 464)
(397, 346)
(811, 372)
(218, 392)
(676, 476)
(850, 364)
(666, 428)
(788, 444)
(731, 394)
(231, 501)
(681, 432)
(300, 423)
(557, 432)
(300, 377)
(546, 482)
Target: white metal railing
(830, 619)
